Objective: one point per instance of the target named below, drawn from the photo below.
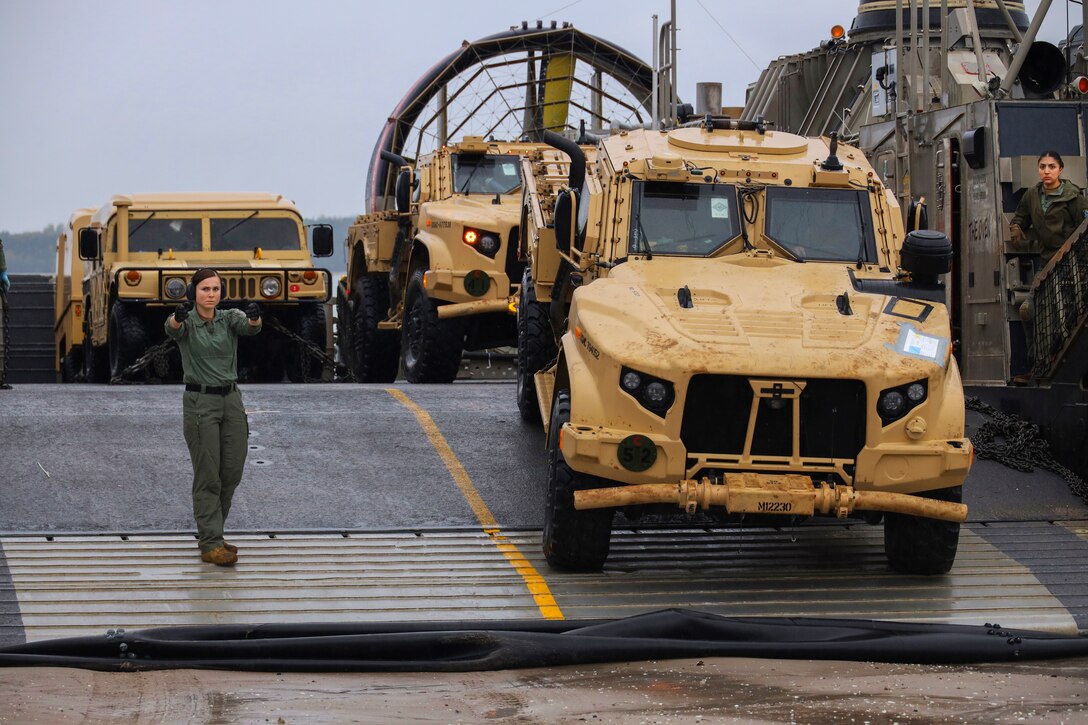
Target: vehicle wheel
(573, 540)
(536, 348)
(375, 354)
(128, 338)
(301, 366)
(71, 366)
(916, 545)
(432, 347)
(342, 332)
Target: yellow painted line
(533, 580)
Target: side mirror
(566, 206)
(321, 244)
(89, 244)
(403, 191)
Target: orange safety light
(471, 236)
(309, 276)
(133, 276)
(1081, 84)
(838, 32)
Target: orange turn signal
(471, 236)
(309, 276)
(838, 32)
(133, 277)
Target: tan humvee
(744, 329)
(141, 251)
(68, 299)
(439, 275)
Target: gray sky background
(101, 97)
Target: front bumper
(891, 467)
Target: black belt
(210, 389)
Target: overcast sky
(101, 97)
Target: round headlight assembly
(270, 286)
(916, 392)
(656, 395)
(174, 288)
(632, 381)
(891, 405)
(488, 244)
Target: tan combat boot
(219, 556)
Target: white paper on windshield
(509, 169)
(719, 208)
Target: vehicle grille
(240, 288)
(718, 408)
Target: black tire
(573, 540)
(301, 366)
(342, 332)
(71, 366)
(128, 339)
(916, 545)
(431, 347)
(375, 354)
(536, 348)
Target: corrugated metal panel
(82, 585)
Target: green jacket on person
(1065, 213)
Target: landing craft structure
(953, 102)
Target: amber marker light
(838, 32)
(133, 277)
(471, 236)
(309, 276)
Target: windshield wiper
(475, 168)
(240, 223)
(644, 241)
(140, 225)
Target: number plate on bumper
(763, 493)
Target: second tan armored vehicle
(437, 276)
(140, 252)
(743, 328)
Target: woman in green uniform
(1052, 209)
(216, 427)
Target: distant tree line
(36, 252)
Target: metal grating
(84, 585)
(1060, 302)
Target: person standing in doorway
(215, 423)
(1052, 209)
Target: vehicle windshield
(821, 224)
(481, 174)
(152, 234)
(673, 218)
(245, 233)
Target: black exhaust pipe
(577, 177)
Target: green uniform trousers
(217, 433)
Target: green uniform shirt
(209, 350)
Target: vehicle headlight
(894, 403)
(270, 286)
(484, 242)
(174, 288)
(654, 394)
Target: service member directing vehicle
(216, 427)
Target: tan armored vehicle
(140, 252)
(437, 276)
(744, 329)
(68, 301)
